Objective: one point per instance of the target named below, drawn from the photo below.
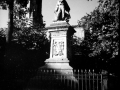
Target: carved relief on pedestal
(58, 48)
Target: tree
(34, 7)
(10, 24)
(101, 27)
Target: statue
(62, 11)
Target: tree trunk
(10, 22)
(37, 14)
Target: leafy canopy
(101, 31)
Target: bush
(30, 38)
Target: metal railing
(86, 80)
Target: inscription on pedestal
(58, 48)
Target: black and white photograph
(59, 44)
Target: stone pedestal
(60, 49)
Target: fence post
(82, 78)
(104, 80)
(85, 79)
(93, 79)
(89, 73)
(78, 78)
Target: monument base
(55, 60)
(61, 64)
(62, 67)
(60, 52)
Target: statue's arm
(56, 9)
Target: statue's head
(61, 1)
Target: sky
(3, 18)
(79, 8)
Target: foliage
(24, 33)
(101, 31)
(19, 16)
(2, 40)
(35, 8)
(30, 38)
(2, 32)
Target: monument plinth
(60, 47)
(60, 42)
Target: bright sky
(3, 18)
(79, 8)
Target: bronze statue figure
(62, 11)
